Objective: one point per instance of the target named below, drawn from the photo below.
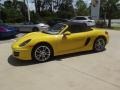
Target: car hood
(32, 36)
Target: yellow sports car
(63, 38)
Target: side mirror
(67, 33)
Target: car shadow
(16, 62)
(64, 57)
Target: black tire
(99, 44)
(40, 55)
(35, 29)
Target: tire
(42, 53)
(99, 44)
(35, 29)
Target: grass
(116, 27)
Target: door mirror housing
(67, 33)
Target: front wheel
(99, 44)
(42, 53)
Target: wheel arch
(101, 36)
(43, 43)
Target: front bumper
(21, 53)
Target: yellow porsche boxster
(63, 38)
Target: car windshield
(56, 29)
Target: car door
(73, 41)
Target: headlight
(25, 42)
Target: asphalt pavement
(79, 71)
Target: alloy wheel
(99, 45)
(42, 53)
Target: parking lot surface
(80, 71)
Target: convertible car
(63, 38)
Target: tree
(81, 8)
(22, 7)
(1, 7)
(48, 8)
(110, 7)
(57, 4)
(34, 17)
(43, 5)
(13, 11)
(8, 4)
(66, 9)
(38, 5)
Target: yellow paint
(61, 44)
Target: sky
(31, 5)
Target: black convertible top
(76, 24)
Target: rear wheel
(99, 44)
(42, 53)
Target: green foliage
(66, 10)
(111, 9)
(35, 18)
(12, 12)
(12, 15)
(16, 11)
(48, 8)
(82, 9)
(100, 23)
(8, 4)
